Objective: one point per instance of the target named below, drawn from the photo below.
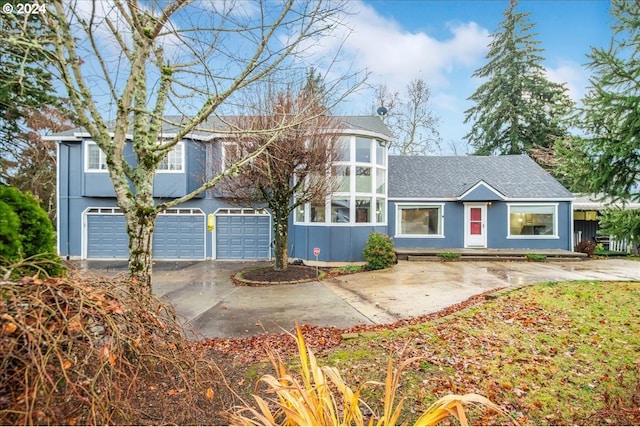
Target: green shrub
(536, 257)
(10, 247)
(36, 236)
(586, 247)
(378, 252)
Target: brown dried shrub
(92, 351)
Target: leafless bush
(82, 351)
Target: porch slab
(482, 254)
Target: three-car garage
(181, 234)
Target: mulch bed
(267, 275)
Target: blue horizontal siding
(336, 243)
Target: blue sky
(444, 42)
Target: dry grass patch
(318, 395)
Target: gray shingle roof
(370, 123)
(364, 123)
(449, 177)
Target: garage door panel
(175, 237)
(179, 237)
(242, 237)
(107, 237)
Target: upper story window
(363, 150)
(343, 150)
(230, 154)
(381, 153)
(174, 160)
(95, 160)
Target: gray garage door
(179, 234)
(106, 235)
(243, 236)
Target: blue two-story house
(443, 202)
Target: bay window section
(359, 186)
(363, 179)
(533, 221)
(343, 150)
(419, 220)
(342, 177)
(381, 181)
(340, 207)
(318, 211)
(380, 210)
(381, 151)
(363, 209)
(363, 150)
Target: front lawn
(550, 354)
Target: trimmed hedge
(32, 238)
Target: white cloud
(395, 56)
(573, 75)
(445, 102)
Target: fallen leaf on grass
(9, 328)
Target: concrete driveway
(212, 306)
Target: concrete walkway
(212, 306)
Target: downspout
(571, 227)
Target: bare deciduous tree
(410, 118)
(126, 65)
(295, 168)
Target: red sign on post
(316, 251)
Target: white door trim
(475, 241)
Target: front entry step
(459, 254)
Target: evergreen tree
(607, 160)
(517, 108)
(25, 83)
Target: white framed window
(381, 153)
(420, 220)
(94, 158)
(230, 154)
(174, 160)
(363, 150)
(532, 221)
(341, 209)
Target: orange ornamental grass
(319, 396)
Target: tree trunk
(140, 228)
(281, 242)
